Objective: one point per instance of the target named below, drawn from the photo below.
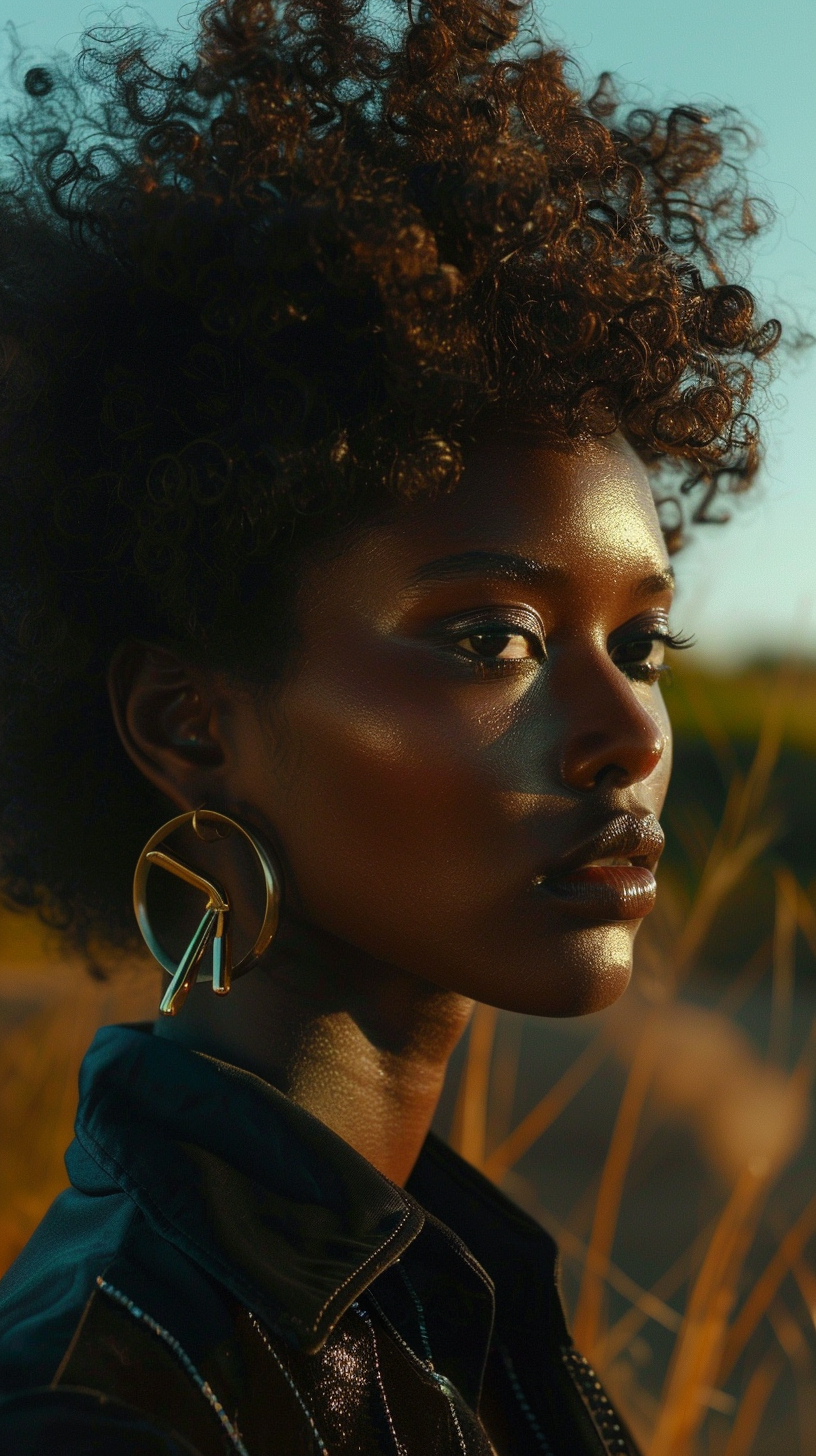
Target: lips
(609, 876)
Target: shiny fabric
(229, 1271)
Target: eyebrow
(652, 586)
(493, 565)
(505, 566)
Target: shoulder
(91, 1245)
(100, 1305)
(44, 1293)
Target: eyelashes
(677, 641)
(639, 655)
(494, 646)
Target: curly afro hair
(254, 293)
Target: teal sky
(751, 586)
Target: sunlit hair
(253, 295)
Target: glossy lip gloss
(610, 876)
(605, 892)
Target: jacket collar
(519, 1256)
(263, 1196)
(294, 1223)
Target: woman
(344, 367)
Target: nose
(611, 734)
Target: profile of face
(461, 772)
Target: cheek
(390, 805)
(658, 783)
(406, 813)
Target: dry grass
(739, 1326)
(736, 1308)
(49, 1011)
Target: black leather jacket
(225, 1275)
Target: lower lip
(605, 892)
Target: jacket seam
(473, 1183)
(374, 1255)
(78, 1328)
(444, 1386)
(203, 1386)
(107, 1162)
(72, 1343)
(292, 1384)
(465, 1253)
(607, 1424)
(506, 1210)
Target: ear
(167, 720)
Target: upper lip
(634, 837)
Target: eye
(641, 658)
(500, 646)
(639, 646)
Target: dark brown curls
(254, 292)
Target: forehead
(586, 508)
(592, 494)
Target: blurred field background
(667, 1143)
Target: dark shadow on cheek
(524, 756)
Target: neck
(360, 1044)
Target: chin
(579, 972)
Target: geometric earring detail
(214, 928)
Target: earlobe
(165, 721)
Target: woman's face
(463, 770)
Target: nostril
(613, 757)
(614, 774)
(611, 730)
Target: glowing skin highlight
(460, 775)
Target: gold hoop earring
(214, 928)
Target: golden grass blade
(806, 1280)
(698, 1350)
(747, 797)
(545, 1112)
(645, 1301)
(709, 724)
(740, 839)
(746, 981)
(767, 1286)
(786, 923)
(723, 872)
(470, 1118)
(805, 1068)
(621, 1334)
(803, 1072)
(752, 1405)
(504, 1077)
(589, 1309)
(806, 917)
(765, 759)
(789, 1333)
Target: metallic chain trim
(440, 1381)
(604, 1416)
(523, 1403)
(417, 1303)
(183, 1358)
(318, 1439)
(398, 1446)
